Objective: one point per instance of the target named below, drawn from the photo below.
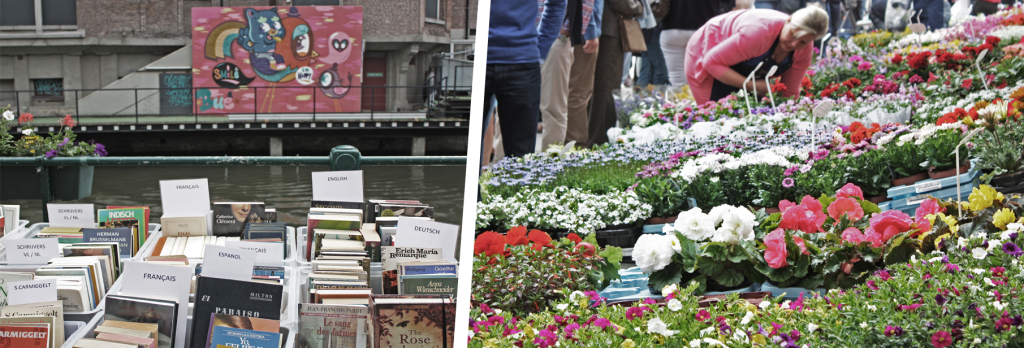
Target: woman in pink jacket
(723, 52)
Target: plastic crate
(929, 186)
(148, 249)
(912, 202)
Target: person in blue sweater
(516, 44)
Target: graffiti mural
(277, 59)
(175, 93)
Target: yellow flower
(759, 339)
(33, 151)
(968, 121)
(491, 343)
(951, 221)
(981, 197)
(628, 343)
(1002, 217)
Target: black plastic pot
(1010, 183)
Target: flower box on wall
(66, 183)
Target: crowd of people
(552, 65)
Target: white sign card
(145, 279)
(189, 197)
(427, 234)
(342, 186)
(71, 215)
(35, 251)
(228, 263)
(32, 291)
(267, 253)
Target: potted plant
(67, 183)
(905, 159)
(1000, 152)
(664, 194)
(939, 150)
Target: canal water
(289, 189)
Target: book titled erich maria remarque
(230, 218)
(411, 321)
(232, 297)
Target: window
(23, 12)
(48, 89)
(435, 9)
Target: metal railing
(343, 157)
(183, 105)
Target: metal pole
(314, 103)
(17, 103)
(255, 102)
(76, 108)
(136, 106)
(373, 101)
(44, 187)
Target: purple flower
(789, 182)
(51, 153)
(940, 300)
(1012, 249)
(893, 331)
(570, 328)
(100, 150)
(602, 323)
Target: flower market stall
(880, 207)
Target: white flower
(989, 282)
(27, 132)
(695, 343)
(714, 179)
(675, 243)
(977, 340)
(674, 305)
(562, 307)
(707, 331)
(764, 305)
(737, 224)
(652, 253)
(935, 259)
(716, 213)
(811, 327)
(978, 271)
(746, 318)
(785, 304)
(668, 289)
(657, 326)
(714, 342)
(695, 225)
(871, 307)
(576, 294)
(979, 253)
(8, 115)
(864, 325)
(998, 305)
(961, 242)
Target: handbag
(632, 36)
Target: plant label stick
(824, 45)
(745, 99)
(966, 138)
(820, 111)
(770, 94)
(753, 85)
(977, 65)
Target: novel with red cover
(24, 336)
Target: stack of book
(427, 278)
(190, 247)
(339, 281)
(134, 217)
(242, 299)
(148, 322)
(341, 229)
(64, 235)
(32, 325)
(392, 257)
(82, 281)
(390, 326)
(231, 218)
(385, 215)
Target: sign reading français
(341, 186)
(146, 279)
(35, 251)
(267, 253)
(185, 197)
(71, 215)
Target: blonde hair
(810, 20)
(744, 4)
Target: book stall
(228, 274)
(881, 206)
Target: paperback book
(412, 321)
(232, 297)
(230, 218)
(129, 309)
(239, 331)
(332, 326)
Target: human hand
(590, 46)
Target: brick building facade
(92, 44)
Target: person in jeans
(608, 76)
(653, 70)
(931, 13)
(683, 19)
(513, 69)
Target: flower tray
(929, 186)
(623, 236)
(754, 297)
(66, 183)
(909, 204)
(1013, 183)
(791, 293)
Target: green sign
(375, 74)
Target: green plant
(870, 171)
(664, 194)
(524, 273)
(906, 160)
(707, 190)
(1001, 149)
(59, 144)
(939, 149)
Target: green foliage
(1001, 149)
(664, 194)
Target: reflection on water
(289, 189)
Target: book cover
(236, 331)
(123, 236)
(126, 217)
(428, 284)
(147, 212)
(390, 210)
(163, 313)
(229, 218)
(411, 321)
(232, 297)
(34, 321)
(332, 222)
(331, 326)
(183, 226)
(9, 277)
(47, 309)
(24, 336)
(418, 268)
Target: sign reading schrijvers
(71, 215)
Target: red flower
(775, 249)
(852, 235)
(575, 238)
(68, 121)
(967, 83)
(918, 60)
(539, 239)
(897, 59)
(858, 136)
(703, 315)
(850, 190)
(947, 118)
(888, 224)
(25, 117)
(517, 236)
(845, 206)
(942, 339)
(992, 40)
(998, 271)
(491, 243)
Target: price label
(928, 186)
(915, 200)
(35, 251)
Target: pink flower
(852, 235)
(775, 249)
(807, 217)
(785, 204)
(845, 206)
(703, 315)
(850, 190)
(634, 312)
(863, 66)
(602, 323)
(910, 307)
(942, 339)
(889, 223)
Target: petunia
(1012, 249)
(893, 331)
(702, 315)
(942, 339)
